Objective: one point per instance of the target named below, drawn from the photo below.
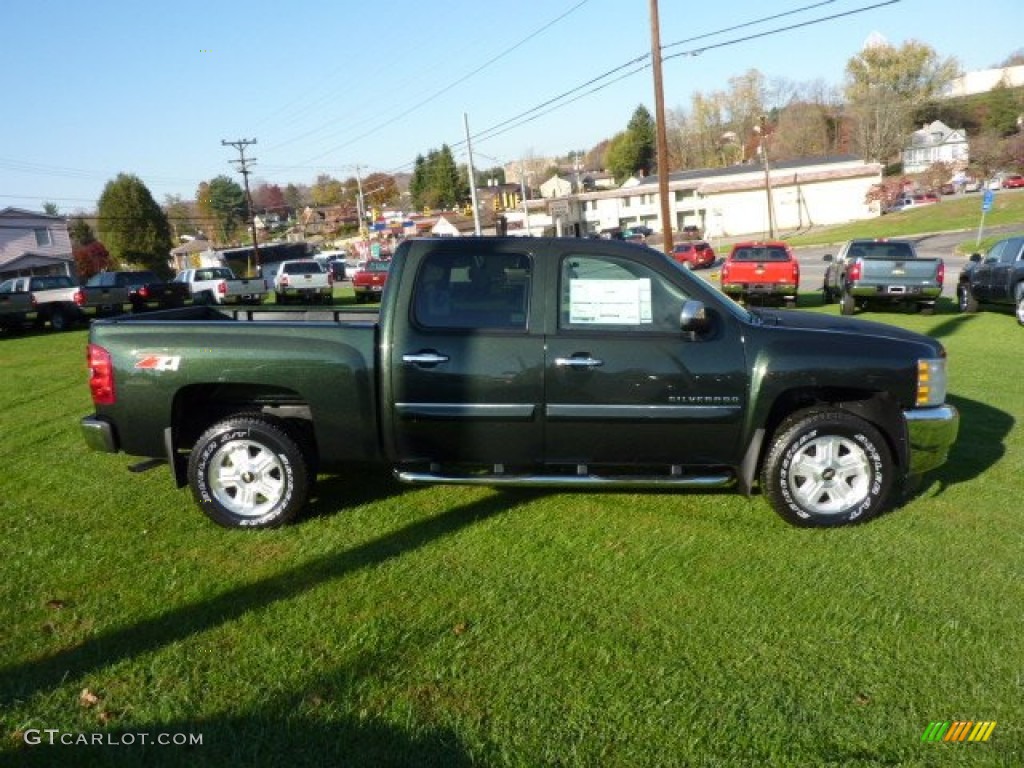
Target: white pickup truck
(218, 285)
(305, 279)
(59, 300)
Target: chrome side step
(585, 480)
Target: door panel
(467, 371)
(624, 385)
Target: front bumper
(931, 432)
(99, 434)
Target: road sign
(986, 201)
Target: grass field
(459, 626)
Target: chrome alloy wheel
(246, 478)
(829, 475)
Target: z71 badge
(157, 362)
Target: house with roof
(722, 202)
(935, 143)
(34, 243)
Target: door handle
(578, 362)
(424, 358)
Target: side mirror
(976, 258)
(693, 318)
(827, 257)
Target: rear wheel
(249, 472)
(1020, 304)
(59, 320)
(827, 467)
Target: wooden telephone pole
(659, 112)
(243, 168)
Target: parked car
(145, 289)
(886, 272)
(1013, 182)
(555, 363)
(912, 201)
(304, 279)
(218, 285)
(369, 280)
(692, 232)
(638, 229)
(996, 279)
(761, 272)
(61, 302)
(16, 307)
(694, 254)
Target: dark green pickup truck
(562, 363)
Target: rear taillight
(284, 281)
(853, 273)
(101, 375)
(144, 291)
(79, 297)
(330, 278)
(941, 273)
(725, 271)
(222, 288)
(796, 272)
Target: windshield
(377, 266)
(870, 250)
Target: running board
(585, 480)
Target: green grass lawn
(462, 626)
(958, 212)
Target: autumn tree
(132, 225)
(268, 198)
(884, 84)
(327, 190)
(380, 189)
(90, 259)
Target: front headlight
(931, 382)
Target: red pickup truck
(761, 271)
(368, 281)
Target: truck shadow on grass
(979, 446)
(23, 680)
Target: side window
(1011, 251)
(993, 255)
(462, 291)
(604, 293)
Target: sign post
(986, 206)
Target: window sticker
(610, 302)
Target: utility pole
(762, 129)
(472, 178)
(243, 168)
(659, 111)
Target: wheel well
(198, 406)
(875, 407)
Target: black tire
(926, 309)
(279, 298)
(827, 467)
(847, 305)
(965, 300)
(789, 303)
(249, 472)
(827, 296)
(59, 320)
(1019, 307)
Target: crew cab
(997, 279)
(61, 302)
(145, 290)
(518, 362)
(305, 279)
(882, 272)
(369, 279)
(761, 272)
(218, 285)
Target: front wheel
(965, 300)
(249, 472)
(826, 468)
(847, 305)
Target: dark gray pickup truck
(560, 363)
(997, 279)
(882, 272)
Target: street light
(761, 130)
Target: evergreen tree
(132, 226)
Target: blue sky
(95, 89)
